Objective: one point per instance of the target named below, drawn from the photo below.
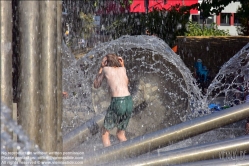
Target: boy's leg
(247, 128)
(121, 135)
(106, 138)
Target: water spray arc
(146, 53)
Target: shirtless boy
(119, 112)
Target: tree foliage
(88, 24)
(209, 7)
(243, 15)
(166, 24)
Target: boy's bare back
(117, 80)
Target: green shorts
(119, 113)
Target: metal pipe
(29, 105)
(59, 77)
(167, 136)
(238, 161)
(48, 75)
(6, 53)
(231, 149)
(80, 134)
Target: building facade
(226, 20)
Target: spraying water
(163, 88)
(21, 151)
(160, 83)
(158, 80)
(232, 81)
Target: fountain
(159, 83)
(149, 54)
(166, 96)
(232, 81)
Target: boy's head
(112, 60)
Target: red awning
(138, 5)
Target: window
(196, 18)
(236, 20)
(210, 20)
(225, 19)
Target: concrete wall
(214, 51)
(231, 8)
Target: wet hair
(112, 60)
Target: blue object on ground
(214, 107)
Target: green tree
(209, 7)
(243, 15)
(88, 24)
(166, 24)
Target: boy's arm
(65, 94)
(99, 78)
